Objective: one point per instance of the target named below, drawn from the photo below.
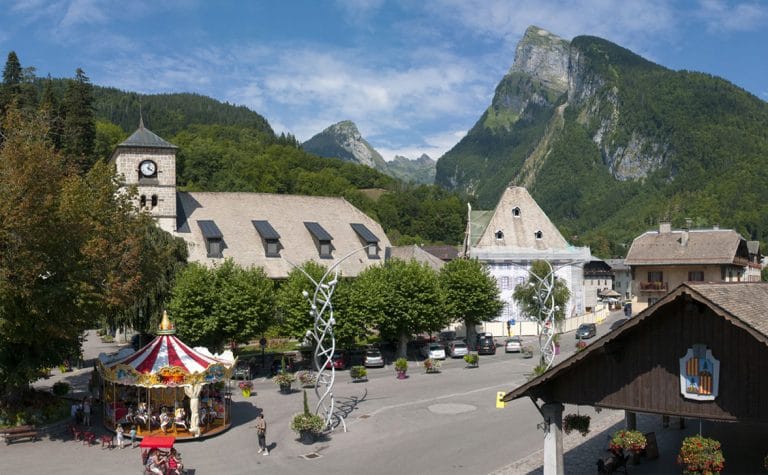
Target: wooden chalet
(700, 352)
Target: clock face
(147, 168)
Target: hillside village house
(622, 278)
(275, 232)
(508, 239)
(661, 260)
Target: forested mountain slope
(608, 143)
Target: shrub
(60, 388)
(358, 372)
(627, 440)
(282, 379)
(471, 358)
(307, 378)
(401, 364)
(306, 421)
(576, 422)
(431, 365)
(701, 455)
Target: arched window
(154, 200)
(516, 212)
(499, 235)
(142, 201)
(538, 234)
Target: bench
(612, 463)
(12, 434)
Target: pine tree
(11, 82)
(50, 109)
(79, 125)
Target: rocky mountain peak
(543, 56)
(343, 140)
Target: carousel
(168, 388)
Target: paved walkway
(234, 451)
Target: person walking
(133, 435)
(261, 432)
(86, 412)
(120, 435)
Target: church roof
(145, 138)
(519, 222)
(297, 222)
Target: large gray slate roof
(746, 301)
(416, 253)
(234, 214)
(706, 246)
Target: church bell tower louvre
(149, 162)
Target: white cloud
(726, 16)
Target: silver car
(434, 351)
(458, 349)
(513, 345)
(373, 358)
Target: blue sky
(413, 75)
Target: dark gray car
(586, 330)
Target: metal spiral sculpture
(321, 310)
(545, 295)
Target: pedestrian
(75, 411)
(261, 432)
(120, 432)
(133, 435)
(86, 412)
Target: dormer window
(214, 240)
(538, 235)
(269, 238)
(516, 212)
(368, 239)
(142, 201)
(322, 239)
(499, 235)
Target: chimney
(665, 227)
(684, 237)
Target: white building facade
(508, 240)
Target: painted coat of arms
(699, 374)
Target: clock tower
(149, 162)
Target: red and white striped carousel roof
(167, 350)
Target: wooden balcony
(654, 286)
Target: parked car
(373, 358)
(339, 360)
(458, 349)
(513, 345)
(436, 351)
(486, 345)
(242, 371)
(586, 330)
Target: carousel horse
(179, 418)
(164, 421)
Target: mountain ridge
(626, 143)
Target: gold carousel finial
(166, 327)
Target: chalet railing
(654, 286)
(741, 261)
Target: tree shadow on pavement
(345, 406)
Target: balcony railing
(653, 286)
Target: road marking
(437, 398)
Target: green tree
(50, 108)
(62, 263)
(471, 293)
(292, 308)
(226, 304)
(79, 127)
(106, 139)
(401, 298)
(542, 293)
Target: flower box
(701, 455)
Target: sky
(414, 75)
